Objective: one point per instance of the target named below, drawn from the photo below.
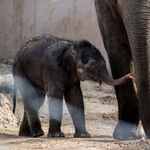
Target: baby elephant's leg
(33, 99)
(24, 127)
(74, 101)
(55, 117)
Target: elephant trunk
(135, 15)
(105, 77)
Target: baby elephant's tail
(14, 97)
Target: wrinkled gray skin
(53, 67)
(125, 28)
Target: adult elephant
(125, 29)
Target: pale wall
(24, 19)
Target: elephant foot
(24, 130)
(27, 134)
(37, 133)
(82, 135)
(55, 134)
(126, 131)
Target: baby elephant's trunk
(105, 77)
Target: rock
(6, 83)
(6, 67)
(6, 116)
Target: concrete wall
(24, 19)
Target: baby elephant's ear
(67, 61)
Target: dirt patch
(101, 113)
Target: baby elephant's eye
(91, 64)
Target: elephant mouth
(96, 80)
(99, 82)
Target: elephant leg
(127, 127)
(24, 127)
(55, 116)
(33, 99)
(117, 46)
(136, 21)
(74, 101)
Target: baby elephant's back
(37, 46)
(34, 49)
(32, 56)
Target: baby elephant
(53, 67)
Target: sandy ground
(101, 118)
